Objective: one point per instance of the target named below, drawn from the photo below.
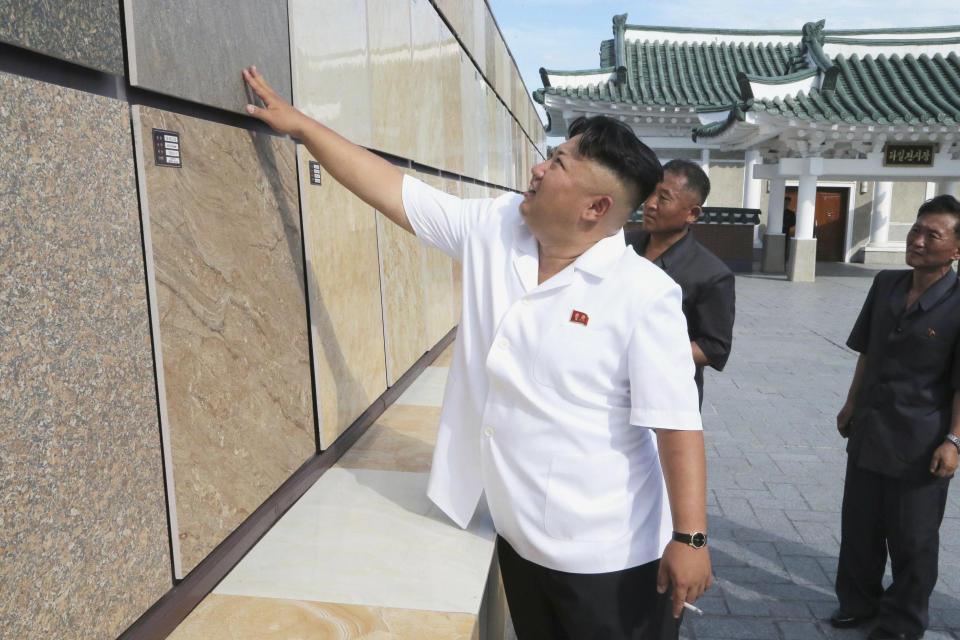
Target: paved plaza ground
(775, 466)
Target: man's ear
(694, 214)
(598, 208)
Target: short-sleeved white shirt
(554, 388)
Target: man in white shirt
(571, 384)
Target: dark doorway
(830, 220)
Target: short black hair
(944, 203)
(696, 178)
(613, 144)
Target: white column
(880, 213)
(705, 161)
(930, 191)
(751, 188)
(806, 203)
(775, 208)
(948, 187)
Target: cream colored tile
(474, 121)
(402, 439)
(373, 538)
(227, 268)
(331, 75)
(401, 277)
(491, 35)
(451, 96)
(426, 95)
(427, 389)
(493, 147)
(392, 84)
(346, 319)
(249, 618)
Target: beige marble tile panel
(250, 618)
(427, 76)
(369, 537)
(401, 284)
(227, 271)
(503, 83)
(331, 74)
(474, 120)
(402, 439)
(478, 11)
(84, 549)
(392, 83)
(459, 13)
(346, 319)
(493, 130)
(491, 35)
(451, 94)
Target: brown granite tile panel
(227, 268)
(86, 32)
(84, 549)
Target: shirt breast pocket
(579, 360)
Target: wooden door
(830, 220)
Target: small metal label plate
(166, 148)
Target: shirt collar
(937, 290)
(599, 259)
(674, 250)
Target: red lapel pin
(931, 333)
(579, 317)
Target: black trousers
(546, 604)
(899, 516)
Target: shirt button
(503, 343)
(899, 329)
(526, 302)
(488, 431)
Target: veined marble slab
(86, 32)
(371, 538)
(392, 82)
(331, 68)
(249, 618)
(427, 389)
(404, 309)
(225, 264)
(195, 49)
(402, 439)
(84, 549)
(343, 274)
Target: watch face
(698, 539)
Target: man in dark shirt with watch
(902, 418)
(707, 283)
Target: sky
(566, 34)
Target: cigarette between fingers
(687, 605)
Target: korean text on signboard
(908, 155)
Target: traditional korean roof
(707, 81)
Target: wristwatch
(697, 539)
(955, 440)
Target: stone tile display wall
(227, 273)
(83, 532)
(331, 69)
(173, 334)
(86, 32)
(195, 49)
(343, 278)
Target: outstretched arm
(684, 471)
(368, 176)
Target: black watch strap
(697, 539)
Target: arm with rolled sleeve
(664, 397)
(715, 310)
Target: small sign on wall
(166, 148)
(314, 172)
(908, 154)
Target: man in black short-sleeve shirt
(707, 283)
(901, 417)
